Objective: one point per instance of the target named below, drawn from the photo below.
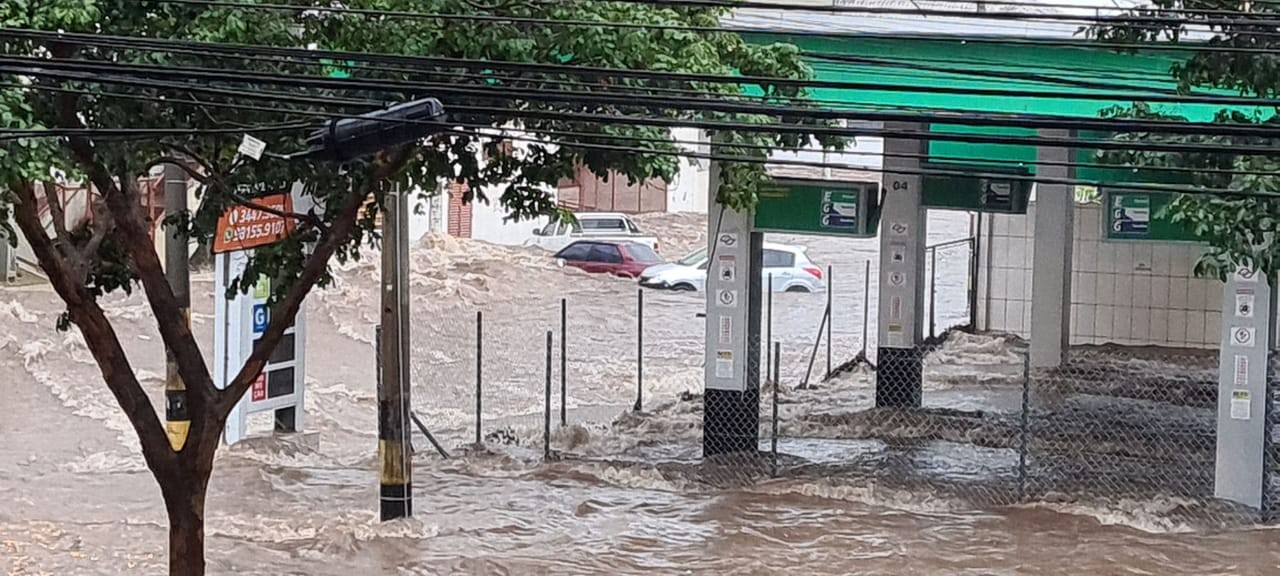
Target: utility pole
(394, 453)
(177, 418)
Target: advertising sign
(243, 227)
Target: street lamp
(346, 139)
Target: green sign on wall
(819, 207)
(1141, 216)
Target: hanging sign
(244, 227)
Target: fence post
(546, 413)
(975, 265)
(1023, 429)
(768, 321)
(1269, 459)
(564, 388)
(479, 372)
(866, 306)
(831, 281)
(777, 382)
(933, 291)
(639, 349)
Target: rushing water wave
(76, 498)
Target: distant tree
(1238, 230)
(114, 252)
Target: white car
(605, 226)
(791, 269)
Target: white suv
(791, 269)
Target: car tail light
(814, 271)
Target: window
(643, 254)
(562, 228)
(693, 258)
(603, 224)
(632, 226)
(607, 253)
(778, 259)
(550, 228)
(578, 252)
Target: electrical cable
(255, 50)
(37, 66)
(8, 134)
(571, 116)
(616, 137)
(251, 51)
(712, 29)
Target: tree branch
(124, 203)
(56, 211)
(99, 336)
(311, 219)
(212, 179)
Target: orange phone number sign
(244, 227)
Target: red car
(627, 259)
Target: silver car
(791, 269)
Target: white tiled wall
(1134, 293)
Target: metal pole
(813, 354)
(777, 382)
(768, 321)
(546, 420)
(396, 490)
(564, 395)
(177, 418)
(1024, 430)
(479, 371)
(974, 269)
(639, 349)
(430, 437)
(830, 289)
(866, 307)
(933, 290)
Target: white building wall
(427, 213)
(1133, 293)
(488, 223)
(687, 192)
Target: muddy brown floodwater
(75, 498)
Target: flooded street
(77, 499)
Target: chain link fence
(617, 376)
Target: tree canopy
(1238, 41)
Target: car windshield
(693, 258)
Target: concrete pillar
(1051, 268)
(731, 411)
(1248, 334)
(902, 248)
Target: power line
(672, 140)
(606, 119)
(143, 133)
(252, 51)
(37, 66)
(905, 171)
(125, 133)
(920, 11)
(575, 116)
(495, 19)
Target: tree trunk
(184, 496)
